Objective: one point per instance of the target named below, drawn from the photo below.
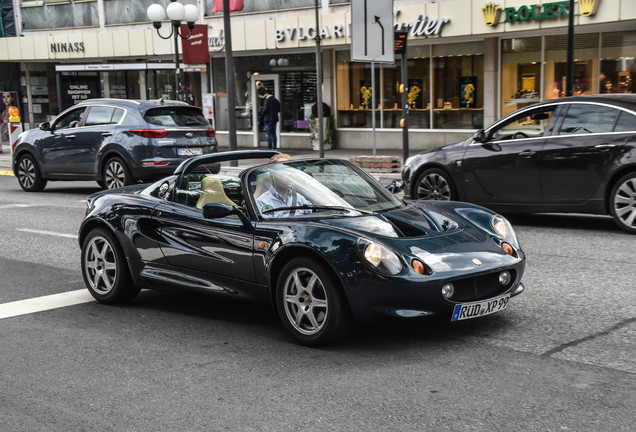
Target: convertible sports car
(319, 238)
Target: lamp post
(176, 13)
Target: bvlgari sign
(535, 12)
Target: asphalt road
(562, 357)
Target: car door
(504, 168)
(58, 146)
(584, 147)
(222, 248)
(97, 127)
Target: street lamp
(176, 13)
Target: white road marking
(9, 206)
(51, 233)
(39, 304)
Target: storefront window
(297, 80)
(618, 68)
(458, 82)
(585, 65)
(520, 73)
(264, 5)
(456, 101)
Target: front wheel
(28, 174)
(310, 303)
(623, 203)
(105, 270)
(116, 174)
(434, 184)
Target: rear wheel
(434, 184)
(105, 270)
(623, 203)
(28, 174)
(116, 174)
(310, 303)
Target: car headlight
(379, 257)
(503, 229)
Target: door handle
(107, 134)
(69, 137)
(602, 146)
(527, 153)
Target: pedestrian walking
(271, 108)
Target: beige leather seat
(212, 192)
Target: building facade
(469, 62)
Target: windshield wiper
(317, 208)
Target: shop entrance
(259, 84)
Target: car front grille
(480, 287)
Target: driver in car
(280, 195)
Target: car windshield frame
(323, 188)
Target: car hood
(419, 220)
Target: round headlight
(380, 257)
(448, 290)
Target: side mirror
(480, 136)
(218, 210)
(46, 126)
(396, 186)
(164, 189)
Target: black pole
(229, 78)
(569, 74)
(177, 89)
(405, 108)
(321, 132)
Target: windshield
(176, 116)
(317, 188)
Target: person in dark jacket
(271, 108)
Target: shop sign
(63, 47)
(535, 12)
(216, 43)
(422, 25)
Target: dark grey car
(115, 142)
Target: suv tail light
(150, 133)
(211, 132)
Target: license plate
(477, 309)
(194, 151)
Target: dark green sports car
(319, 238)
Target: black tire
(28, 174)
(115, 174)
(622, 203)
(434, 184)
(105, 269)
(311, 304)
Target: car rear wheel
(623, 203)
(434, 184)
(105, 270)
(116, 174)
(310, 303)
(28, 175)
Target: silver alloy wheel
(625, 202)
(434, 186)
(114, 175)
(100, 265)
(26, 173)
(305, 301)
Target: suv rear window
(176, 116)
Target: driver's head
(281, 182)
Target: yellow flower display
(366, 95)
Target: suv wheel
(115, 174)
(28, 174)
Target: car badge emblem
(189, 135)
(476, 261)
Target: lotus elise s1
(320, 239)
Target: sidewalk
(384, 177)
